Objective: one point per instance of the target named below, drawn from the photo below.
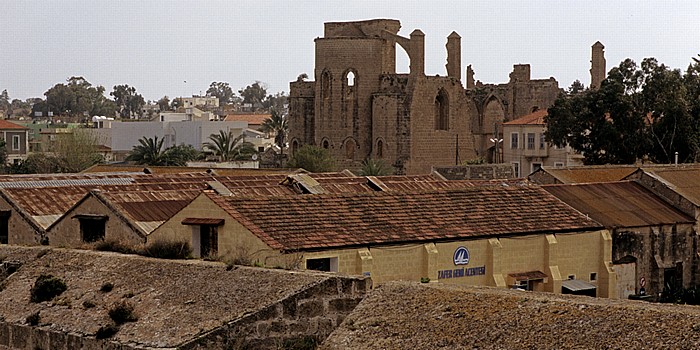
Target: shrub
(122, 312)
(313, 159)
(375, 167)
(33, 319)
(46, 288)
(167, 249)
(107, 331)
(306, 342)
(114, 246)
(88, 304)
(107, 287)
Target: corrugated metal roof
(577, 285)
(684, 179)
(530, 275)
(66, 182)
(618, 204)
(148, 226)
(46, 220)
(585, 174)
(203, 221)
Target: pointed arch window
(442, 110)
(350, 78)
(380, 149)
(350, 149)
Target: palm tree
(277, 125)
(224, 145)
(149, 152)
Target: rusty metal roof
(585, 174)
(618, 204)
(683, 179)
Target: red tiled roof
(618, 204)
(535, 118)
(5, 125)
(252, 119)
(337, 220)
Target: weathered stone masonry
(358, 107)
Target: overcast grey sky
(156, 46)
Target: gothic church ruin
(359, 107)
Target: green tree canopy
(164, 103)
(224, 145)
(312, 158)
(129, 102)
(254, 94)
(222, 91)
(375, 167)
(638, 112)
(150, 151)
(76, 98)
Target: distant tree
(275, 102)
(129, 102)
(278, 126)
(76, 151)
(179, 155)
(3, 157)
(254, 94)
(222, 91)
(5, 104)
(648, 112)
(164, 103)
(224, 144)
(302, 77)
(76, 98)
(245, 151)
(312, 158)
(576, 87)
(36, 163)
(175, 103)
(149, 151)
(375, 167)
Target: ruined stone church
(359, 107)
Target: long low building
(515, 236)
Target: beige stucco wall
(234, 240)
(20, 232)
(491, 260)
(66, 232)
(558, 256)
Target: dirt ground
(433, 316)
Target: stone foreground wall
(312, 314)
(309, 314)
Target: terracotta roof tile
(7, 125)
(535, 118)
(336, 220)
(252, 119)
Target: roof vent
(306, 183)
(219, 188)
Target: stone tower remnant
(597, 65)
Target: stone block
(344, 305)
(289, 307)
(19, 336)
(262, 329)
(39, 339)
(310, 308)
(58, 340)
(279, 327)
(299, 327)
(4, 334)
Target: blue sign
(461, 256)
